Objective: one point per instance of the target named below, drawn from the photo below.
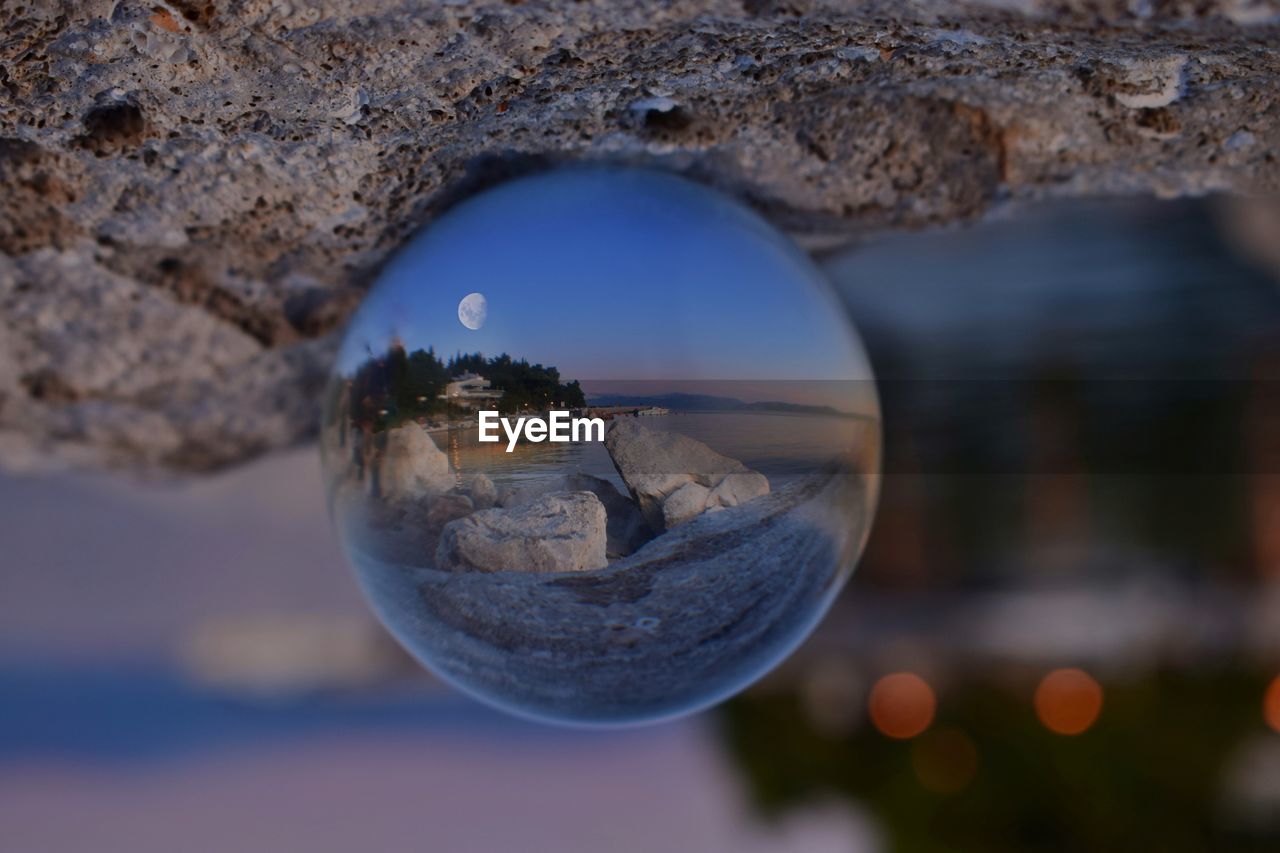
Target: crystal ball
(601, 446)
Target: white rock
(626, 529)
(693, 499)
(738, 488)
(411, 465)
(559, 532)
(658, 465)
(685, 503)
(1152, 83)
(481, 490)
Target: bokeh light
(1068, 701)
(1271, 704)
(945, 760)
(902, 705)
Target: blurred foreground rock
(194, 196)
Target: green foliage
(1148, 776)
(571, 395)
(398, 385)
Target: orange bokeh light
(1271, 704)
(901, 705)
(1068, 701)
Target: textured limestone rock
(480, 489)
(674, 478)
(693, 499)
(559, 532)
(194, 196)
(442, 509)
(739, 488)
(685, 503)
(410, 465)
(680, 618)
(626, 528)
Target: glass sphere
(601, 445)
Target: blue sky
(614, 275)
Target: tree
(388, 389)
(571, 395)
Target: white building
(470, 389)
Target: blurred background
(1064, 634)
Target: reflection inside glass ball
(601, 446)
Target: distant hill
(679, 402)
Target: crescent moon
(472, 310)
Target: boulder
(411, 465)
(626, 529)
(442, 509)
(660, 467)
(737, 488)
(229, 304)
(693, 499)
(481, 490)
(557, 532)
(684, 503)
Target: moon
(472, 310)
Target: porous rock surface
(481, 490)
(681, 622)
(193, 196)
(410, 465)
(675, 478)
(625, 530)
(558, 532)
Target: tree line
(400, 385)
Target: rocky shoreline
(571, 600)
(690, 617)
(575, 522)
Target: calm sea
(778, 445)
